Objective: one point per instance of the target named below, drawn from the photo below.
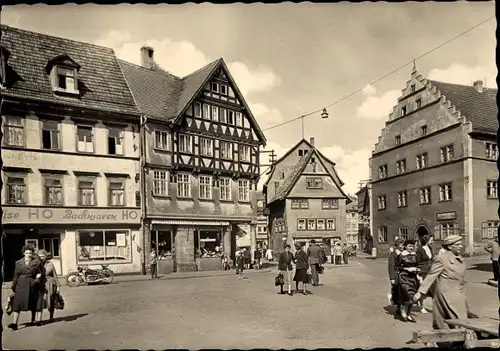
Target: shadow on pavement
(483, 267)
(62, 319)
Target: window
(314, 183)
(423, 130)
(116, 192)
(51, 245)
(197, 109)
(206, 147)
(215, 113)
(115, 141)
(401, 166)
(300, 203)
(413, 88)
(226, 150)
(86, 192)
(108, 245)
(223, 115)
(14, 131)
(239, 119)
(422, 160)
(244, 153)
(300, 152)
(311, 224)
(206, 111)
(403, 233)
(403, 199)
(425, 195)
(276, 185)
(160, 183)
(162, 140)
(164, 242)
(282, 175)
(205, 187)
(382, 202)
(66, 79)
(184, 185)
(446, 153)
(225, 189)
(491, 151)
(403, 111)
(445, 192)
(331, 224)
(185, 143)
(418, 103)
(382, 172)
(243, 190)
(16, 189)
(137, 199)
(223, 89)
(50, 135)
(330, 204)
(230, 116)
(205, 243)
(320, 224)
(301, 224)
(489, 229)
(85, 139)
(492, 186)
(53, 190)
(215, 87)
(398, 140)
(443, 230)
(382, 234)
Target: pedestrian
(269, 254)
(52, 285)
(285, 267)
(393, 247)
(247, 257)
(301, 267)
(315, 258)
(494, 249)
(424, 258)
(393, 276)
(28, 275)
(338, 253)
(153, 264)
(240, 263)
(257, 256)
(407, 280)
(345, 253)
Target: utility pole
(272, 157)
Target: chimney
(147, 57)
(478, 85)
(311, 141)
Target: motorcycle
(85, 275)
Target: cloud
(265, 115)
(378, 107)
(258, 80)
(461, 74)
(369, 89)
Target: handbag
(309, 278)
(279, 280)
(8, 305)
(321, 270)
(58, 301)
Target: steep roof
(478, 108)
(100, 79)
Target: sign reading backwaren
(44, 215)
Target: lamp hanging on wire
(324, 114)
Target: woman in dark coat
(26, 285)
(407, 280)
(424, 259)
(393, 274)
(301, 267)
(285, 267)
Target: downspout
(144, 200)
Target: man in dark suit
(314, 252)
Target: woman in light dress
(52, 284)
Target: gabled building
(200, 162)
(70, 153)
(305, 198)
(434, 166)
(352, 222)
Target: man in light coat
(314, 253)
(494, 249)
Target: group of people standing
(35, 287)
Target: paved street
(224, 312)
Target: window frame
(397, 140)
(450, 227)
(447, 153)
(244, 148)
(422, 193)
(382, 232)
(299, 221)
(121, 134)
(379, 202)
(246, 188)
(207, 187)
(51, 132)
(424, 130)
(443, 186)
(159, 182)
(10, 126)
(87, 127)
(57, 76)
(206, 147)
(313, 222)
(489, 229)
(403, 233)
(330, 224)
(165, 144)
(418, 103)
(12, 175)
(224, 89)
(222, 145)
(186, 142)
(186, 185)
(491, 184)
(317, 183)
(491, 151)
(208, 109)
(214, 84)
(197, 107)
(57, 177)
(330, 204)
(227, 186)
(323, 225)
(214, 113)
(383, 171)
(86, 179)
(402, 198)
(129, 246)
(123, 182)
(401, 166)
(50, 249)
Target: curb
(493, 283)
(348, 265)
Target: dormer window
(4, 56)
(64, 74)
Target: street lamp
(324, 114)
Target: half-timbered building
(200, 162)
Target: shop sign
(446, 216)
(25, 215)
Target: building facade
(305, 199)
(70, 154)
(434, 166)
(365, 239)
(352, 221)
(200, 163)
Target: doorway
(421, 231)
(12, 244)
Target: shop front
(74, 237)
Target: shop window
(53, 190)
(108, 245)
(116, 195)
(208, 243)
(13, 130)
(16, 189)
(50, 135)
(51, 245)
(115, 141)
(164, 243)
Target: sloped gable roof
(100, 79)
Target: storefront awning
(188, 222)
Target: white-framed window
(225, 189)
(446, 153)
(445, 193)
(300, 203)
(16, 189)
(86, 192)
(13, 130)
(314, 183)
(422, 160)
(223, 89)
(115, 141)
(491, 151)
(397, 140)
(424, 130)
(52, 245)
(184, 185)
(329, 204)
(205, 187)
(226, 150)
(230, 117)
(162, 140)
(223, 115)
(66, 79)
(401, 166)
(244, 153)
(215, 87)
(492, 186)
(382, 234)
(160, 183)
(311, 224)
(243, 190)
(53, 190)
(85, 139)
(442, 230)
(402, 198)
(50, 135)
(100, 246)
(489, 229)
(206, 147)
(403, 111)
(418, 103)
(185, 143)
(331, 224)
(382, 202)
(116, 192)
(197, 109)
(215, 113)
(382, 172)
(206, 111)
(425, 195)
(301, 224)
(239, 119)
(403, 233)
(320, 224)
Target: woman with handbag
(301, 267)
(52, 285)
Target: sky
(292, 59)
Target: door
(12, 244)
(52, 244)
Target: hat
(298, 246)
(451, 239)
(43, 252)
